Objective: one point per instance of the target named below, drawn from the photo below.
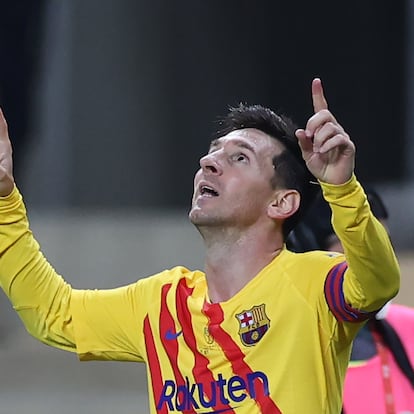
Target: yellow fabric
(293, 357)
(367, 247)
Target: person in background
(380, 376)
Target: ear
(284, 205)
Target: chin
(196, 216)
(200, 218)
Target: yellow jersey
(280, 345)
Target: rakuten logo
(223, 392)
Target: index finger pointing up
(318, 98)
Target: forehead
(250, 138)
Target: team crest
(253, 324)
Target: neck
(233, 258)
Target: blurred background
(110, 104)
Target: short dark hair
(290, 168)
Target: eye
(240, 157)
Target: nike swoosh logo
(172, 335)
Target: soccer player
(261, 329)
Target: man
(380, 376)
(261, 330)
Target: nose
(210, 165)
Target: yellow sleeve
(108, 324)
(38, 294)
(373, 274)
(49, 307)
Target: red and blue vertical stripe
(201, 371)
(335, 298)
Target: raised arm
(96, 324)
(31, 284)
(372, 276)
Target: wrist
(6, 187)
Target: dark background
(146, 80)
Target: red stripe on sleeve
(154, 364)
(234, 355)
(201, 372)
(335, 298)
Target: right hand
(326, 147)
(6, 160)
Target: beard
(206, 220)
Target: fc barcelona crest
(253, 324)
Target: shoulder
(172, 277)
(171, 285)
(309, 270)
(315, 261)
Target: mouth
(207, 191)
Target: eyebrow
(240, 143)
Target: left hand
(326, 148)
